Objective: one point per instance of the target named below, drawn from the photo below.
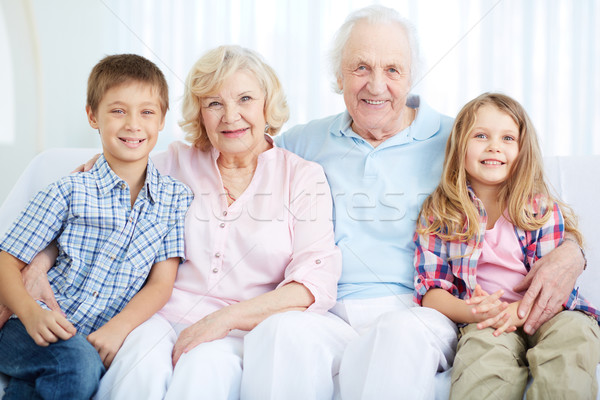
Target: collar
(425, 125)
(476, 200)
(106, 179)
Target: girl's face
(492, 148)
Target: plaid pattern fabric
(452, 265)
(106, 247)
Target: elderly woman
(259, 237)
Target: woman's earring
(267, 128)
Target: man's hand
(549, 284)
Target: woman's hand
(212, 327)
(88, 164)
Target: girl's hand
(47, 327)
(487, 309)
(212, 327)
(107, 340)
(509, 323)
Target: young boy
(119, 231)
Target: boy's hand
(47, 327)
(107, 340)
(5, 314)
(37, 285)
(35, 279)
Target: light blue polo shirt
(377, 194)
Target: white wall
(545, 53)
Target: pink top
(278, 231)
(500, 265)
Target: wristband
(580, 249)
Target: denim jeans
(67, 369)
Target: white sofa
(574, 179)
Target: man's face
(376, 79)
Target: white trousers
(382, 348)
(142, 369)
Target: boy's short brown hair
(120, 68)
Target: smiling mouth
(235, 132)
(492, 162)
(374, 102)
(132, 141)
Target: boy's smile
(128, 118)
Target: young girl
(479, 232)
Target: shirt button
(217, 255)
(224, 213)
(222, 224)
(215, 270)
(112, 258)
(123, 186)
(317, 261)
(95, 294)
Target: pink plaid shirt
(452, 265)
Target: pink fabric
(278, 231)
(500, 265)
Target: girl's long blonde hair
(449, 211)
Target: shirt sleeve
(551, 234)
(41, 222)
(173, 244)
(316, 261)
(432, 268)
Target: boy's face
(128, 118)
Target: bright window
(7, 109)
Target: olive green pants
(561, 356)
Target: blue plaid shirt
(106, 247)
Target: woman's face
(234, 117)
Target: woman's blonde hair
(208, 74)
(449, 211)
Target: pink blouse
(278, 231)
(500, 265)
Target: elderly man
(382, 156)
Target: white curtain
(545, 53)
